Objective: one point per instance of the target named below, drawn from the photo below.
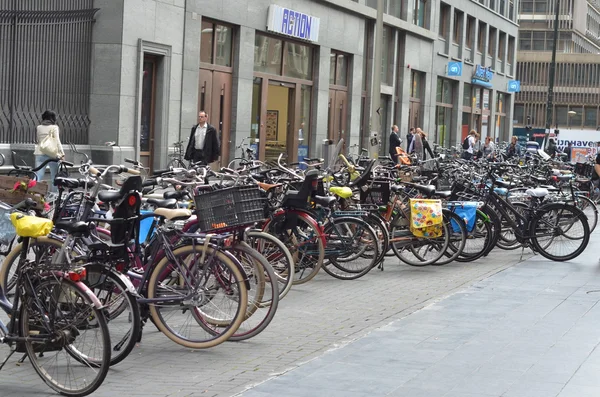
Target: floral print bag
(426, 218)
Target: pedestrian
(551, 149)
(394, 143)
(426, 147)
(514, 149)
(477, 146)
(488, 149)
(468, 144)
(596, 174)
(48, 130)
(416, 146)
(203, 146)
(568, 151)
(409, 138)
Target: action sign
(293, 23)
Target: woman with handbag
(48, 147)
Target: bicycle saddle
(168, 203)
(109, 196)
(427, 190)
(173, 214)
(177, 195)
(537, 192)
(80, 227)
(324, 201)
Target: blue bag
(467, 211)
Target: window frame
(214, 44)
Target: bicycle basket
(30, 226)
(375, 192)
(230, 207)
(7, 230)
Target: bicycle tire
(220, 328)
(474, 247)
(56, 301)
(402, 250)
(458, 239)
(121, 309)
(278, 256)
(341, 269)
(176, 163)
(261, 307)
(303, 238)
(589, 208)
(539, 228)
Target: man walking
(203, 146)
(409, 138)
(394, 143)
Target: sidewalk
(531, 330)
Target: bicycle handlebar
(45, 163)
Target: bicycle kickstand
(7, 357)
(22, 359)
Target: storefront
(283, 84)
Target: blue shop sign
(454, 68)
(514, 86)
(482, 76)
(293, 23)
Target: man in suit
(394, 143)
(203, 146)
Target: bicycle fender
(128, 284)
(307, 216)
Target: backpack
(466, 143)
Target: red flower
(17, 185)
(31, 183)
(46, 207)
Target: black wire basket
(230, 207)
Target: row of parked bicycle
(207, 256)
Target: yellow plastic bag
(426, 218)
(30, 226)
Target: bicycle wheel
(69, 346)
(352, 248)
(382, 232)
(559, 232)
(121, 309)
(278, 256)
(587, 206)
(176, 163)
(41, 251)
(208, 309)
(458, 237)
(303, 238)
(508, 239)
(478, 240)
(263, 294)
(420, 251)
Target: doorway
(279, 119)
(148, 111)
(414, 114)
(337, 116)
(214, 97)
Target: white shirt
(471, 144)
(199, 136)
(42, 131)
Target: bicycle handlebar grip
(94, 171)
(228, 170)
(26, 204)
(67, 163)
(131, 171)
(149, 182)
(131, 161)
(160, 172)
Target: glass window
(511, 49)
(502, 7)
(206, 42)
(467, 95)
(419, 12)
(438, 91)
(501, 46)
(443, 118)
(332, 59)
(560, 116)
(416, 84)
(224, 38)
(481, 37)
(519, 112)
(493, 5)
(255, 116)
(525, 41)
(341, 76)
(387, 57)
(444, 20)
(526, 6)
(539, 41)
(267, 54)
(540, 6)
(395, 8)
(458, 21)
(511, 10)
(477, 97)
(492, 42)
(298, 61)
(304, 131)
(500, 103)
(591, 114)
(575, 119)
(470, 31)
(444, 91)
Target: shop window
(444, 91)
(500, 103)
(458, 24)
(297, 61)
(216, 44)
(444, 21)
(267, 54)
(575, 119)
(467, 95)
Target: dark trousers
(198, 157)
(466, 155)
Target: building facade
(280, 75)
(577, 77)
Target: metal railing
(45, 63)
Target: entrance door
(279, 120)
(215, 99)
(338, 112)
(148, 110)
(414, 114)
